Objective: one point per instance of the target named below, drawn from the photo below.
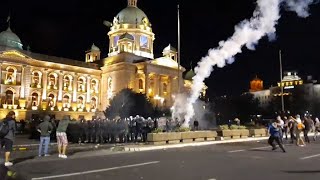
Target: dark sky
(68, 28)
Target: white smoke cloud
(301, 7)
(247, 33)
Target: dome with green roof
(94, 48)
(132, 15)
(10, 39)
(189, 75)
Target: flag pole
(179, 46)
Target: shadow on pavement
(303, 172)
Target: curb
(152, 148)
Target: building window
(67, 83)
(52, 100)
(93, 103)
(115, 40)
(36, 79)
(9, 97)
(140, 84)
(80, 102)
(66, 101)
(81, 84)
(144, 42)
(165, 88)
(53, 81)
(35, 99)
(11, 76)
(94, 86)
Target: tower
(93, 54)
(132, 3)
(170, 52)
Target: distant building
(290, 81)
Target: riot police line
(117, 130)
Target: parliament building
(32, 83)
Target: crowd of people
(293, 127)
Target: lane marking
(264, 147)
(95, 171)
(240, 150)
(309, 157)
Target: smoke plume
(247, 33)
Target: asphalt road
(250, 160)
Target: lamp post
(179, 49)
(281, 78)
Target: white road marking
(309, 157)
(264, 147)
(240, 150)
(95, 171)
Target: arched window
(144, 42)
(165, 88)
(66, 101)
(93, 103)
(35, 99)
(67, 85)
(52, 81)
(51, 100)
(11, 76)
(140, 84)
(9, 97)
(80, 102)
(81, 84)
(94, 86)
(36, 79)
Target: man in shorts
(7, 141)
(62, 139)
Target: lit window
(66, 101)
(93, 103)
(81, 84)
(35, 99)
(10, 76)
(9, 97)
(140, 84)
(165, 87)
(51, 100)
(144, 42)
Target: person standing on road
(7, 141)
(45, 128)
(317, 128)
(299, 126)
(62, 139)
(274, 131)
(307, 128)
(291, 126)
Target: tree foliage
(129, 103)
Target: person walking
(299, 126)
(317, 128)
(291, 126)
(62, 139)
(274, 131)
(8, 139)
(307, 128)
(45, 128)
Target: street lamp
(281, 79)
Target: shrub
(224, 127)
(183, 129)
(158, 130)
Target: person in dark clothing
(291, 127)
(274, 131)
(196, 125)
(307, 127)
(7, 141)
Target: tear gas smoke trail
(247, 33)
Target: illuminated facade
(32, 82)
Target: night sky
(68, 28)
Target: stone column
(44, 84)
(88, 88)
(60, 86)
(22, 80)
(75, 88)
(26, 80)
(146, 86)
(156, 84)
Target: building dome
(132, 15)
(189, 75)
(10, 39)
(94, 48)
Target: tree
(128, 103)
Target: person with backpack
(7, 135)
(45, 128)
(275, 135)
